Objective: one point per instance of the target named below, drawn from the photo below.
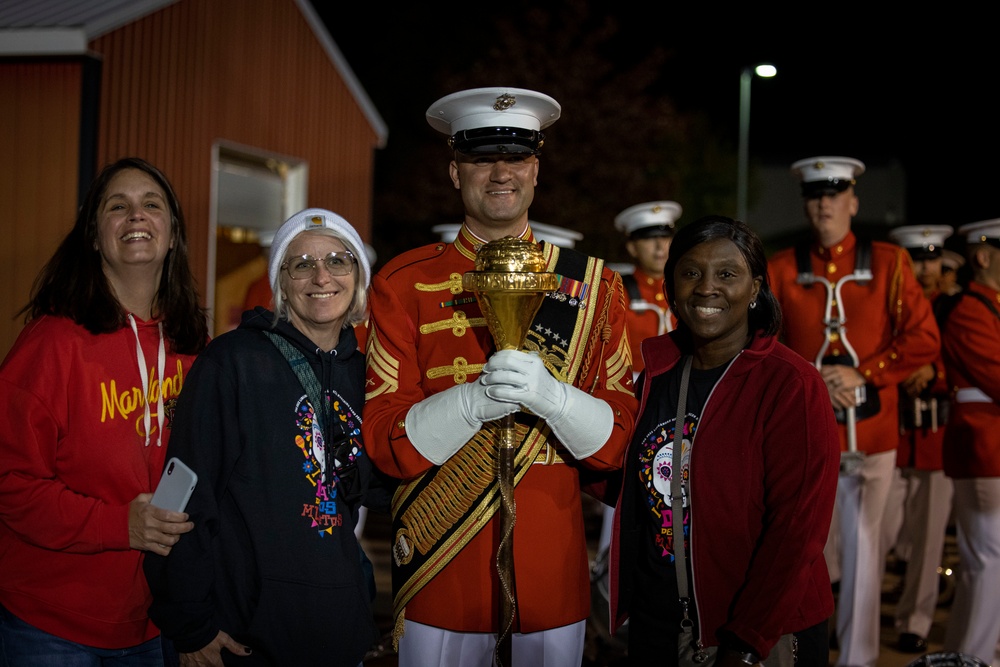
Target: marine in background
(648, 228)
(853, 307)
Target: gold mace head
(510, 283)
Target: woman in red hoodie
(722, 563)
(86, 401)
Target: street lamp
(743, 159)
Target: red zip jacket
(763, 479)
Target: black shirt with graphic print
(655, 596)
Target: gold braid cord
(446, 500)
(896, 290)
(621, 361)
(597, 332)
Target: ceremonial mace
(510, 283)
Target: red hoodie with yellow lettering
(74, 453)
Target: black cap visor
(487, 140)
(924, 253)
(828, 188)
(651, 231)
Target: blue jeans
(24, 645)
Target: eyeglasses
(336, 263)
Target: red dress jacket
(648, 316)
(889, 323)
(763, 479)
(971, 349)
(427, 334)
(920, 447)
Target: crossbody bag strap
(307, 378)
(676, 496)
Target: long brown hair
(72, 283)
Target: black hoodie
(272, 560)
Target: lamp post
(743, 158)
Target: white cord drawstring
(144, 376)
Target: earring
(753, 304)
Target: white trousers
(894, 537)
(856, 544)
(427, 646)
(925, 520)
(607, 527)
(359, 529)
(974, 620)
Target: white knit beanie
(316, 218)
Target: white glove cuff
(584, 424)
(437, 428)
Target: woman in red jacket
(758, 472)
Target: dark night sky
(917, 89)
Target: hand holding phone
(175, 487)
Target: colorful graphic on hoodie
(320, 465)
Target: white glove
(439, 425)
(581, 422)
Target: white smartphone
(175, 487)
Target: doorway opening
(254, 191)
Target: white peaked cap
(494, 120)
(981, 232)
(922, 240)
(493, 107)
(655, 218)
(828, 168)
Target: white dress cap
(987, 231)
(828, 168)
(951, 260)
(826, 176)
(448, 231)
(654, 218)
(560, 236)
(494, 120)
(922, 241)
(493, 107)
